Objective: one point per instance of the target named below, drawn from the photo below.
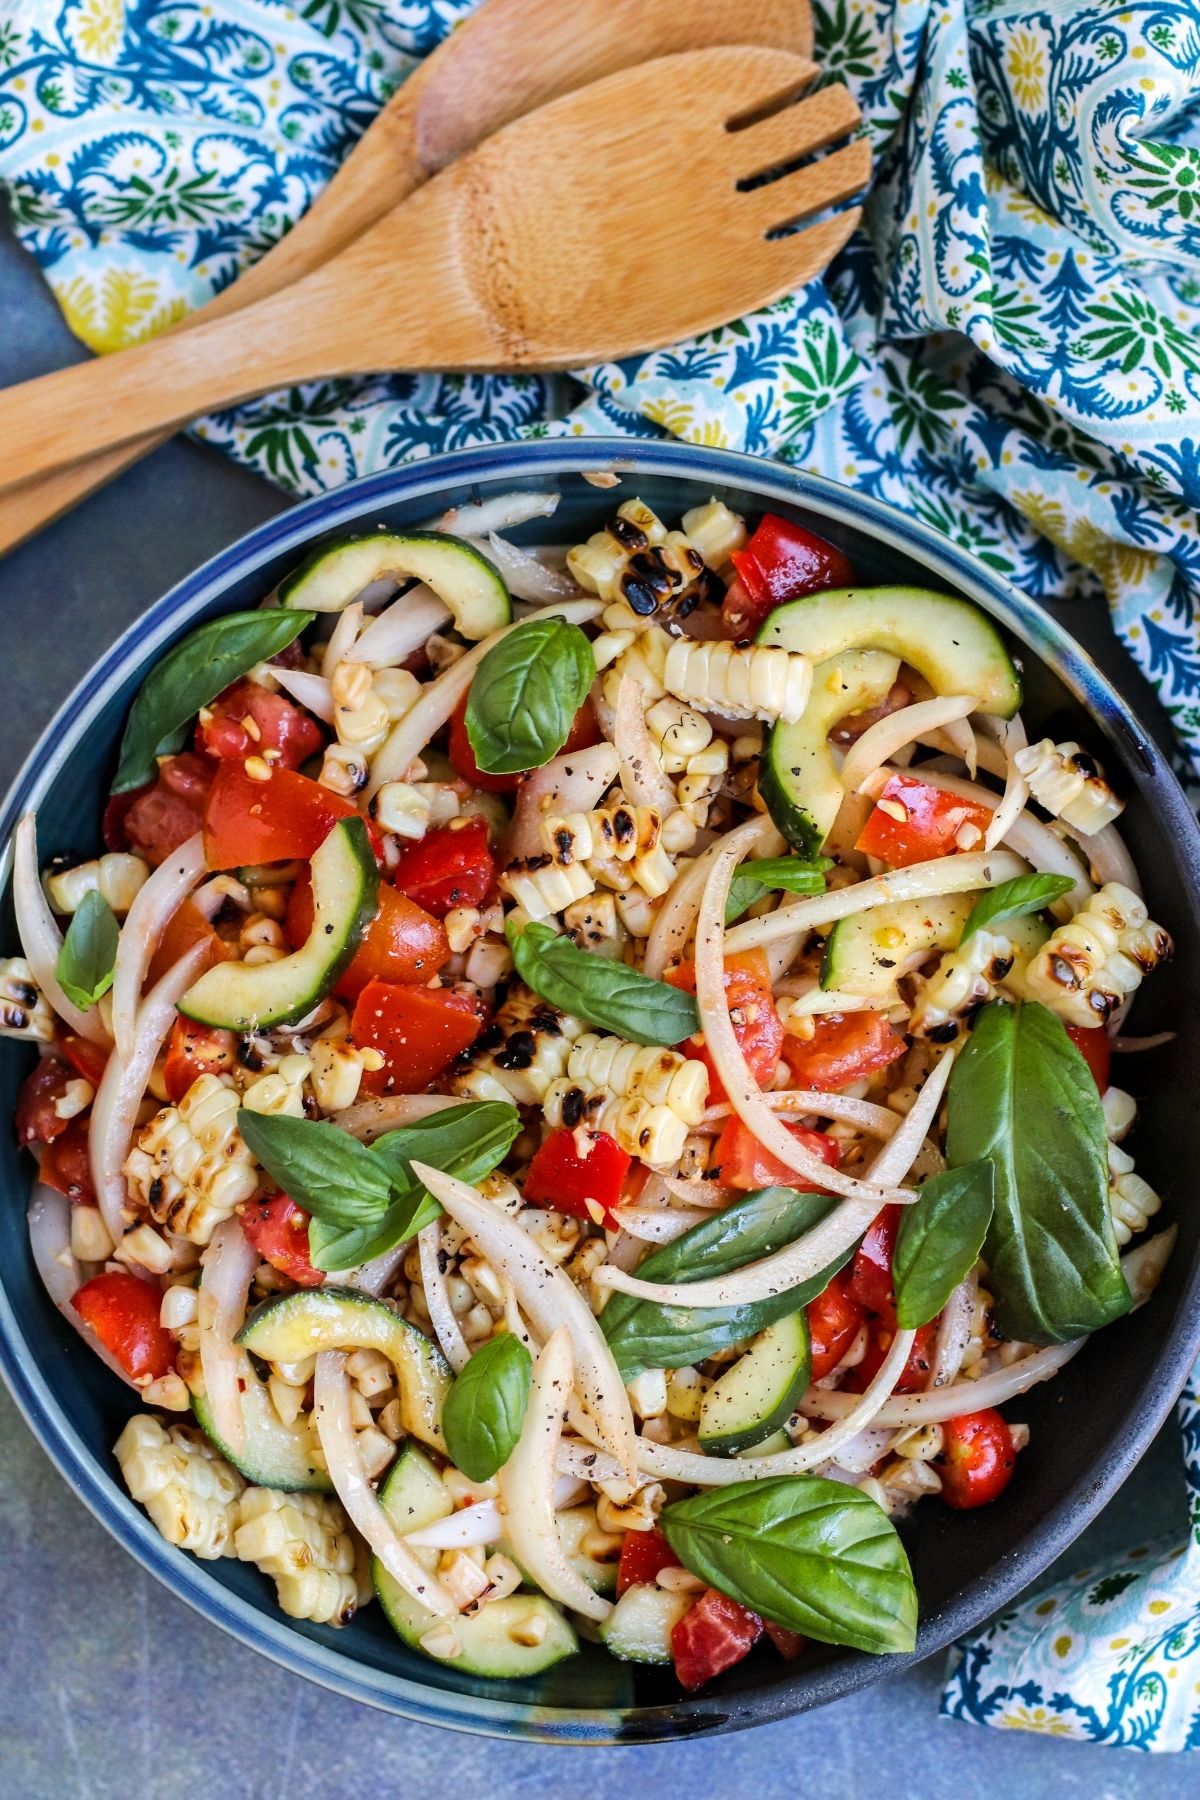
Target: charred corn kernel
(554, 1233)
(686, 1389)
(463, 1577)
(463, 925)
(190, 1493)
(180, 1306)
(362, 727)
(648, 1393)
(714, 531)
(519, 1054)
(902, 1482)
(90, 1240)
(303, 1542)
(599, 564)
(1088, 966)
(1120, 1113)
(337, 1071)
(170, 1392)
(117, 876)
(189, 1168)
(280, 1093)
(1066, 781)
(705, 773)
(489, 961)
(443, 652)
(75, 1098)
(24, 1009)
(592, 924)
(636, 913)
(146, 1249)
(401, 808)
(964, 978)
(261, 939)
(370, 1372)
(678, 732)
(350, 684)
(504, 1577)
(761, 681)
(619, 845)
(542, 887)
(641, 1071)
(344, 770)
(922, 1444)
(636, 1514)
(442, 1641)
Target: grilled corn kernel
(190, 1493)
(963, 980)
(90, 1240)
(280, 1093)
(762, 681)
(1065, 780)
(1088, 966)
(592, 924)
(678, 732)
(144, 1247)
(398, 689)
(337, 1072)
(714, 531)
(118, 877)
(344, 769)
(542, 888)
(24, 1010)
(399, 807)
(303, 1542)
(519, 1054)
(189, 1168)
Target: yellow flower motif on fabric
(123, 308)
(1035, 1718)
(97, 28)
(1119, 566)
(674, 416)
(1025, 66)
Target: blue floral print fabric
(1008, 349)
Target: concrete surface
(109, 1687)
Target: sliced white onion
(706, 1194)
(862, 1451)
(345, 631)
(960, 874)
(880, 742)
(465, 1529)
(1109, 859)
(437, 1298)
(40, 937)
(642, 776)
(154, 906)
(500, 513)
(954, 1334)
(50, 1242)
(936, 1406)
(374, 1276)
(784, 951)
(574, 782)
(880, 1121)
(1129, 1046)
(660, 1224)
(1027, 836)
(964, 742)
(368, 1119)
(409, 736)
(407, 625)
(550, 1298)
(343, 1459)
(226, 1270)
(526, 576)
(1016, 788)
(312, 691)
(900, 1151)
(676, 916)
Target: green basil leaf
(790, 873)
(602, 993)
(813, 1555)
(1023, 894)
(526, 693)
(191, 675)
(85, 962)
(323, 1168)
(485, 1409)
(645, 1335)
(939, 1239)
(334, 1248)
(1022, 1095)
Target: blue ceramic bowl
(1090, 1425)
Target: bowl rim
(273, 1636)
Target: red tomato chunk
(66, 1166)
(37, 1120)
(780, 562)
(1092, 1041)
(833, 1321)
(914, 822)
(587, 1185)
(418, 1031)
(752, 1013)
(711, 1636)
(169, 812)
(248, 720)
(843, 1048)
(122, 1310)
(977, 1461)
(915, 1373)
(745, 1164)
(643, 1555)
(449, 867)
(194, 1050)
(278, 1229)
(286, 816)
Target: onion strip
(880, 742)
(437, 1297)
(40, 937)
(935, 1406)
(1027, 836)
(226, 1269)
(642, 776)
(677, 915)
(406, 625)
(154, 905)
(499, 513)
(368, 1119)
(573, 782)
(526, 576)
(50, 1241)
(343, 636)
(954, 1334)
(312, 691)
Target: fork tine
(829, 114)
(838, 176)
(796, 260)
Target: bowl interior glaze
(1089, 1425)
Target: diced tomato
(788, 1643)
(587, 1186)
(711, 1636)
(248, 821)
(745, 1164)
(977, 1460)
(833, 1321)
(275, 723)
(278, 1229)
(643, 1554)
(65, 1164)
(37, 1121)
(915, 1372)
(583, 733)
(418, 1031)
(165, 815)
(780, 562)
(402, 943)
(87, 1059)
(843, 1048)
(117, 809)
(122, 1310)
(186, 928)
(929, 826)
(1093, 1042)
(752, 1012)
(196, 1050)
(449, 867)
(871, 1271)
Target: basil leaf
(323, 1168)
(602, 993)
(85, 962)
(191, 675)
(485, 1409)
(642, 1334)
(813, 1555)
(939, 1239)
(791, 873)
(1022, 1095)
(526, 693)
(1023, 894)
(334, 1248)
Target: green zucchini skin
(334, 574)
(798, 777)
(754, 1398)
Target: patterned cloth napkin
(1010, 352)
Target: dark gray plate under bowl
(1090, 1424)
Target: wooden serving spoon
(507, 58)
(623, 216)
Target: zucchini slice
(414, 1495)
(639, 1627)
(253, 996)
(335, 574)
(867, 953)
(752, 1399)
(273, 1455)
(294, 1326)
(799, 778)
(951, 642)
